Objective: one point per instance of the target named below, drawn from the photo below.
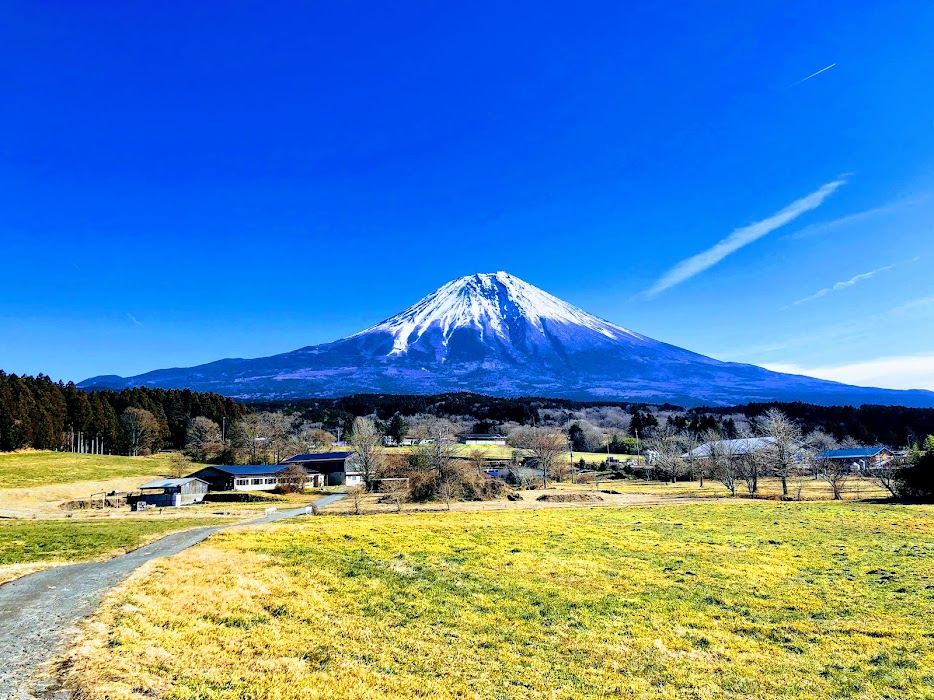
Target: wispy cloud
(812, 75)
(825, 226)
(855, 279)
(135, 320)
(850, 331)
(895, 372)
(688, 268)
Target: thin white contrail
(813, 74)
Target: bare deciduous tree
(292, 479)
(665, 452)
(477, 459)
(440, 448)
(547, 446)
(368, 444)
(356, 493)
(780, 457)
(397, 490)
(140, 428)
(180, 465)
(721, 462)
(887, 474)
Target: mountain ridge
(493, 333)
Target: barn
(328, 468)
(168, 493)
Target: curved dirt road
(38, 612)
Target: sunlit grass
(24, 543)
(22, 469)
(748, 599)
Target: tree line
(37, 413)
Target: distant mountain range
(497, 335)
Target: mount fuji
(495, 334)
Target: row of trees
(36, 412)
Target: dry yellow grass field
(726, 598)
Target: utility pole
(570, 447)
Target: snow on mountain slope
(495, 334)
(492, 304)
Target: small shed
(169, 493)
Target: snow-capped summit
(494, 334)
(497, 305)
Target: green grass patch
(28, 541)
(23, 469)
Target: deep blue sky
(184, 182)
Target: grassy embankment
(751, 599)
(38, 468)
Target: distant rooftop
(317, 457)
(169, 483)
(853, 452)
(246, 469)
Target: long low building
(321, 468)
(246, 477)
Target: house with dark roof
(859, 458)
(241, 477)
(328, 468)
(168, 493)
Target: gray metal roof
(170, 483)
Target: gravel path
(38, 612)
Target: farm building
(859, 458)
(249, 477)
(328, 468)
(483, 439)
(167, 493)
(407, 441)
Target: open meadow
(725, 598)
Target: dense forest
(39, 413)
